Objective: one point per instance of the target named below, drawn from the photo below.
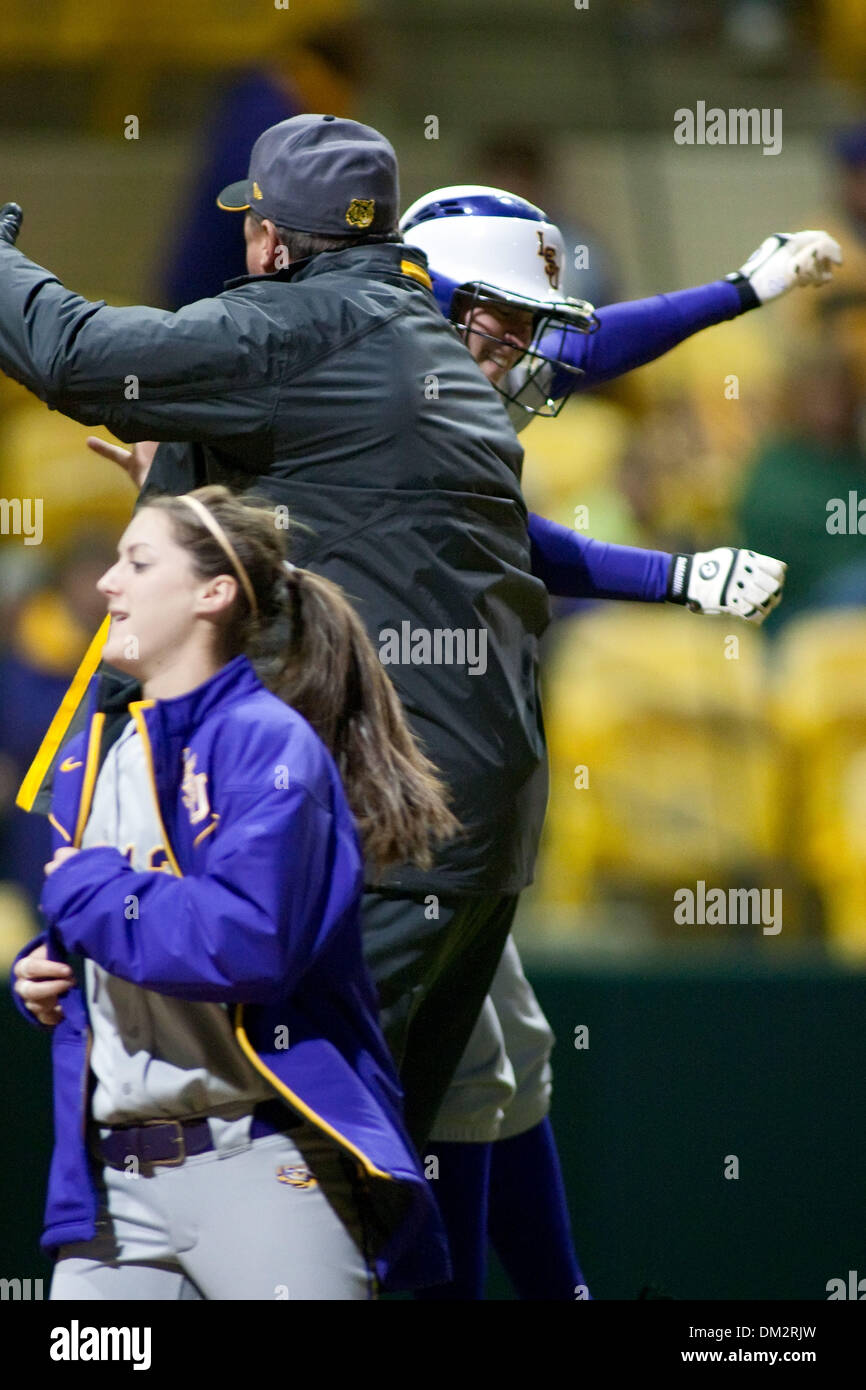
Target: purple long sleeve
(573, 566)
(637, 331)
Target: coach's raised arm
(206, 372)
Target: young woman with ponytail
(227, 1115)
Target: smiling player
(495, 262)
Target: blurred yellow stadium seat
(666, 713)
(575, 463)
(581, 453)
(821, 704)
(843, 40)
(45, 455)
(195, 33)
(835, 318)
(735, 365)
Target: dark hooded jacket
(336, 389)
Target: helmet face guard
(552, 323)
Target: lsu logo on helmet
(551, 264)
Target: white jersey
(152, 1055)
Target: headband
(220, 536)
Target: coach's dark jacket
(337, 388)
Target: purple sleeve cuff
(573, 566)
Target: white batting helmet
(485, 244)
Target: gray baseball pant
(273, 1219)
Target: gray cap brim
(235, 197)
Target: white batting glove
(787, 259)
(727, 580)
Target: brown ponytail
(333, 676)
(310, 647)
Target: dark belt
(171, 1141)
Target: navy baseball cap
(320, 174)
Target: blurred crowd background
(677, 754)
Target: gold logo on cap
(360, 212)
(257, 192)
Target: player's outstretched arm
(575, 566)
(726, 580)
(638, 331)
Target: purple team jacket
(254, 901)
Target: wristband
(745, 289)
(678, 578)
